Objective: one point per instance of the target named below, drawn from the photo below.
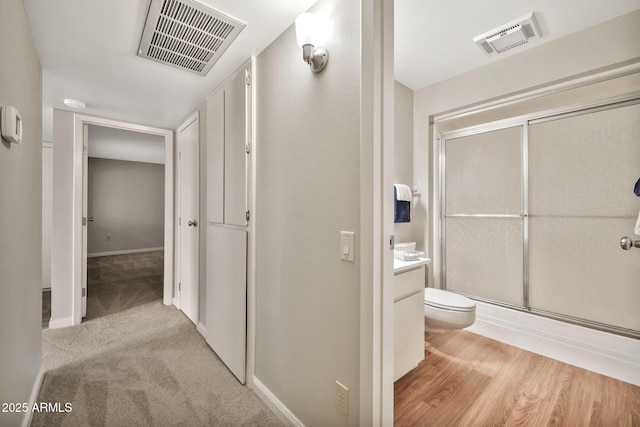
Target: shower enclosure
(533, 210)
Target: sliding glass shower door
(582, 172)
(533, 211)
(483, 221)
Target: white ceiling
(87, 48)
(434, 38)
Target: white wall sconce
(310, 34)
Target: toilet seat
(445, 300)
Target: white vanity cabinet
(408, 308)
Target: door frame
(177, 295)
(376, 213)
(78, 230)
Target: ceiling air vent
(508, 36)
(186, 35)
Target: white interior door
(47, 212)
(85, 219)
(227, 296)
(188, 142)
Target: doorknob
(626, 243)
(90, 219)
(193, 223)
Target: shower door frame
(523, 121)
(524, 205)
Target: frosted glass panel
(484, 173)
(577, 268)
(582, 172)
(585, 165)
(484, 257)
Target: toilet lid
(447, 300)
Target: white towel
(637, 230)
(403, 193)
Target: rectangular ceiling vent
(186, 35)
(510, 35)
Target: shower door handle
(626, 243)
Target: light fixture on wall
(310, 33)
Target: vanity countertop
(400, 266)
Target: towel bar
(626, 243)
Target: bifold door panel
(227, 296)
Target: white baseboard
(60, 323)
(124, 252)
(35, 391)
(607, 354)
(277, 407)
(202, 330)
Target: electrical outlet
(342, 398)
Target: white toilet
(447, 310)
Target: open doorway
(125, 219)
(69, 230)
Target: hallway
(145, 365)
(134, 361)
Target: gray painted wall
(20, 214)
(126, 200)
(308, 190)
(403, 160)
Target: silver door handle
(90, 219)
(626, 243)
(193, 223)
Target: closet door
(235, 151)
(227, 296)
(227, 157)
(215, 157)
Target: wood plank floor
(470, 380)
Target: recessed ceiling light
(74, 103)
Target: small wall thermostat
(11, 124)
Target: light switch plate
(347, 246)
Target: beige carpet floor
(143, 366)
(118, 282)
